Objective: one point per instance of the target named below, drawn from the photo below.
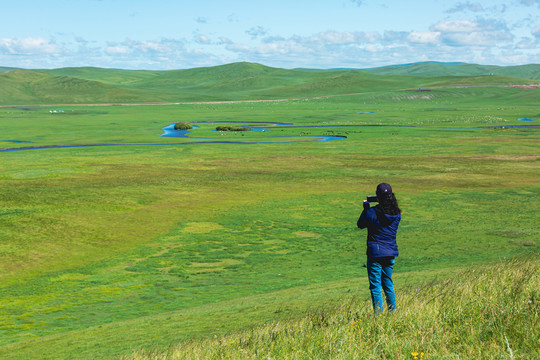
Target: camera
(372, 199)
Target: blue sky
(167, 34)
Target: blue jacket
(382, 230)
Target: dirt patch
(524, 157)
(527, 87)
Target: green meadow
(155, 241)
(475, 315)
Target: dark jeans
(380, 275)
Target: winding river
(169, 131)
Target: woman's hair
(388, 204)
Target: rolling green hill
(531, 71)
(115, 77)
(31, 87)
(248, 81)
(236, 81)
(4, 69)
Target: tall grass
(487, 312)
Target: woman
(382, 222)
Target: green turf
(130, 246)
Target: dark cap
(384, 188)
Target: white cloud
(451, 39)
(424, 37)
(466, 6)
(161, 54)
(394, 37)
(152, 46)
(530, 2)
(334, 38)
(81, 40)
(526, 44)
(233, 18)
(29, 46)
(144, 48)
(202, 39)
(536, 32)
(373, 48)
(478, 32)
(479, 40)
(224, 40)
(117, 50)
(256, 32)
(456, 26)
(466, 38)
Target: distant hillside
(4, 69)
(107, 76)
(224, 82)
(30, 87)
(247, 81)
(531, 71)
(236, 81)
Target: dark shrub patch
(183, 126)
(232, 128)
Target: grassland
(106, 250)
(475, 315)
(530, 71)
(238, 81)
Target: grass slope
(30, 87)
(115, 77)
(530, 71)
(4, 69)
(486, 312)
(237, 81)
